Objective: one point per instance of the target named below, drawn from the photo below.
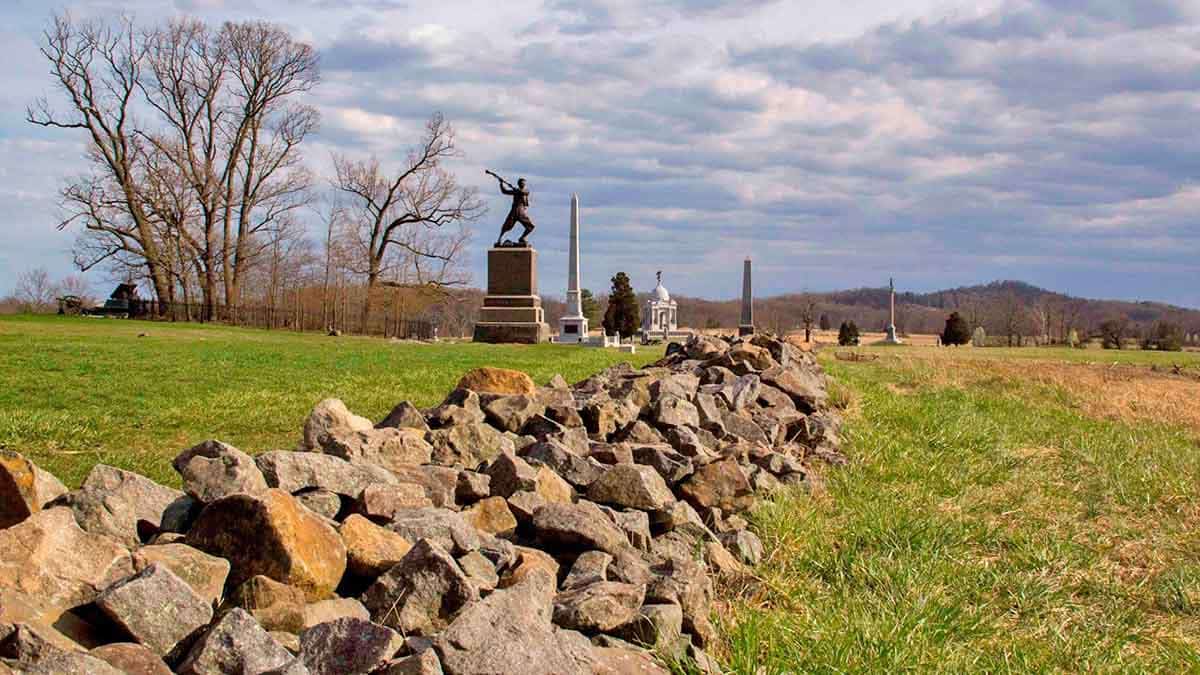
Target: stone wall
(511, 529)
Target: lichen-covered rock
(24, 488)
(235, 644)
(116, 503)
(321, 502)
(205, 573)
(467, 445)
(579, 526)
(296, 471)
(50, 557)
(492, 516)
(511, 413)
(672, 411)
(371, 550)
(441, 526)
(273, 535)
(632, 485)
(155, 607)
(480, 571)
(497, 381)
(213, 469)
(744, 544)
(719, 484)
(348, 645)
(657, 625)
(421, 593)
(600, 606)
(275, 606)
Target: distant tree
(956, 332)
(591, 308)
(848, 334)
(979, 338)
(808, 308)
(823, 322)
(622, 315)
(35, 291)
(1164, 336)
(1113, 332)
(1073, 339)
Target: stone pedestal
(512, 310)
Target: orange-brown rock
(531, 561)
(492, 516)
(497, 381)
(371, 550)
(24, 488)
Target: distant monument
(891, 338)
(746, 324)
(574, 326)
(660, 321)
(512, 310)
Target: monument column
(746, 325)
(573, 327)
(891, 338)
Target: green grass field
(1004, 510)
(75, 392)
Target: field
(1023, 510)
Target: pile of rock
(513, 528)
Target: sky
(835, 142)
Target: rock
(601, 606)
(541, 427)
(805, 387)
(116, 503)
(720, 560)
(235, 644)
(441, 526)
(744, 544)
(423, 663)
(440, 482)
(719, 484)
(290, 642)
(565, 415)
(388, 447)
(764, 483)
(466, 446)
(348, 645)
(669, 464)
(460, 407)
(155, 607)
(321, 502)
(523, 505)
(590, 567)
(632, 485)
(580, 526)
(472, 486)
(640, 433)
(213, 469)
(500, 552)
(480, 571)
(743, 428)
(711, 413)
(421, 593)
(745, 391)
(381, 502)
(29, 653)
(511, 413)
(404, 416)
(705, 347)
(371, 550)
(552, 487)
(683, 582)
(24, 488)
(49, 556)
(635, 524)
(599, 417)
(770, 397)
(296, 471)
(329, 420)
(557, 381)
(275, 606)
(752, 356)
(509, 474)
(576, 470)
(615, 661)
(611, 453)
(64, 629)
(334, 608)
(510, 632)
(681, 516)
(657, 625)
(497, 381)
(131, 658)
(492, 516)
(530, 561)
(671, 411)
(204, 573)
(273, 535)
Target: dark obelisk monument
(746, 325)
(512, 310)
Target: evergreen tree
(823, 322)
(622, 316)
(956, 332)
(591, 308)
(847, 334)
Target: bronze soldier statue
(519, 213)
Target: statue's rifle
(497, 177)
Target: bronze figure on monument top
(519, 213)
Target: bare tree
(808, 313)
(35, 290)
(396, 222)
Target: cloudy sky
(836, 142)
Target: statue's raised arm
(519, 213)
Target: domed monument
(660, 320)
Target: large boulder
(121, 504)
(275, 606)
(296, 471)
(235, 644)
(273, 535)
(371, 550)
(721, 485)
(601, 606)
(213, 469)
(346, 646)
(634, 486)
(205, 573)
(580, 526)
(49, 556)
(24, 488)
(421, 593)
(510, 631)
(467, 445)
(329, 420)
(131, 658)
(155, 607)
(497, 381)
(387, 447)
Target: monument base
(512, 310)
(891, 338)
(572, 329)
(744, 330)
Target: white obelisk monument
(892, 338)
(573, 327)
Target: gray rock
(422, 593)
(601, 606)
(347, 645)
(632, 485)
(711, 413)
(510, 474)
(719, 484)
(321, 502)
(511, 413)
(205, 573)
(743, 428)
(744, 544)
(389, 447)
(235, 644)
(467, 445)
(30, 654)
(770, 397)
(745, 392)
(685, 583)
(381, 502)
(440, 482)
(460, 407)
(635, 524)
(441, 526)
(640, 433)
(681, 516)
(155, 607)
(590, 567)
(671, 411)
(422, 663)
(805, 386)
(579, 526)
(404, 416)
(297, 471)
(329, 420)
(480, 571)
(472, 486)
(656, 626)
(577, 470)
(114, 503)
(671, 465)
(213, 469)
(523, 505)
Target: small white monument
(573, 327)
(892, 338)
(660, 319)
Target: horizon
(833, 145)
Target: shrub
(1164, 337)
(622, 315)
(956, 332)
(1112, 333)
(848, 334)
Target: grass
(75, 392)
(988, 522)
